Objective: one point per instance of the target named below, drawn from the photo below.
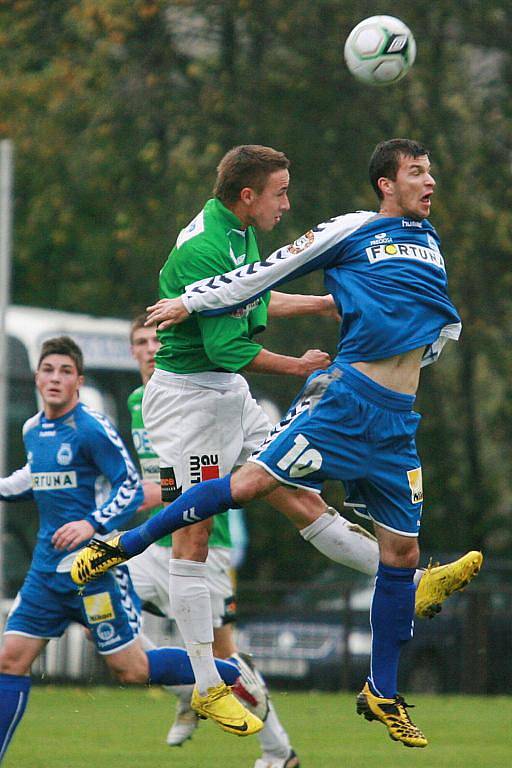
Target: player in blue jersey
(354, 422)
(71, 450)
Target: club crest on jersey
(415, 479)
(65, 454)
(204, 467)
(302, 242)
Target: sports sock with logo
(392, 623)
(197, 503)
(14, 690)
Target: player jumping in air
(354, 422)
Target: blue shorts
(344, 426)
(48, 602)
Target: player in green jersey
(199, 413)
(150, 570)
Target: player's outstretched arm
(294, 304)
(270, 362)
(166, 312)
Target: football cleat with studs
(224, 709)
(97, 558)
(440, 581)
(393, 713)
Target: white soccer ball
(380, 50)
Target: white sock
(191, 608)
(346, 543)
(273, 738)
(343, 542)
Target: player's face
(145, 345)
(58, 382)
(266, 208)
(410, 193)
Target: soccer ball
(380, 50)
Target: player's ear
(385, 185)
(247, 195)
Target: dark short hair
(63, 345)
(248, 165)
(386, 157)
(139, 321)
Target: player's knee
(251, 482)
(129, 668)
(11, 664)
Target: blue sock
(197, 503)
(14, 690)
(392, 621)
(171, 666)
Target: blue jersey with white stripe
(387, 276)
(77, 469)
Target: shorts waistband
(213, 379)
(378, 394)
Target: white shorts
(149, 572)
(202, 425)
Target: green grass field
(126, 728)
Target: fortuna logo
(189, 516)
(53, 481)
(405, 251)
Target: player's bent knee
(251, 482)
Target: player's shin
(197, 503)
(14, 690)
(172, 667)
(392, 623)
(343, 542)
(191, 608)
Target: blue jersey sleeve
(108, 452)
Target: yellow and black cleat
(393, 714)
(97, 558)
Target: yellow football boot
(224, 709)
(393, 713)
(97, 558)
(440, 581)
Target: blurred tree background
(120, 112)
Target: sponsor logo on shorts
(415, 480)
(168, 484)
(405, 251)
(204, 467)
(53, 481)
(99, 608)
(65, 454)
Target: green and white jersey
(213, 243)
(150, 470)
